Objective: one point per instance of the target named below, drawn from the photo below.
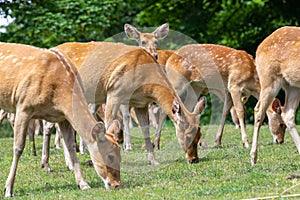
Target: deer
(163, 57)
(228, 73)
(277, 60)
(43, 84)
(116, 74)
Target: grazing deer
(278, 66)
(158, 116)
(228, 73)
(116, 74)
(148, 41)
(161, 116)
(42, 84)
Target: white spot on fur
(19, 64)
(31, 58)
(8, 57)
(14, 60)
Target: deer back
(277, 56)
(213, 66)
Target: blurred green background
(239, 24)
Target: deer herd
(70, 84)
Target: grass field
(221, 174)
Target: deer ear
(200, 106)
(98, 131)
(114, 132)
(161, 32)
(114, 126)
(276, 106)
(131, 32)
(176, 110)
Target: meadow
(224, 173)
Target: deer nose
(155, 56)
(279, 142)
(115, 186)
(194, 160)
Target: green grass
(221, 174)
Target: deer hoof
(153, 162)
(83, 185)
(8, 193)
(246, 144)
(46, 167)
(127, 147)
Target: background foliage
(239, 24)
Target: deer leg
(57, 139)
(240, 111)
(3, 114)
(226, 108)
(81, 146)
(31, 132)
(67, 155)
(68, 135)
(289, 110)
(143, 118)
(161, 119)
(20, 130)
(265, 99)
(235, 118)
(126, 119)
(47, 128)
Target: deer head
(188, 128)
(107, 161)
(147, 41)
(276, 123)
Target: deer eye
(281, 125)
(143, 43)
(111, 158)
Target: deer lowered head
(106, 155)
(187, 126)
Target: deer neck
(75, 106)
(165, 98)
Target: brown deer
(278, 66)
(42, 84)
(148, 41)
(116, 74)
(158, 116)
(228, 73)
